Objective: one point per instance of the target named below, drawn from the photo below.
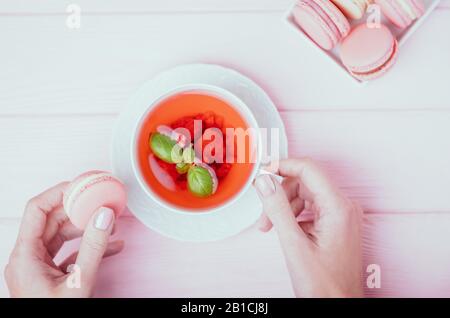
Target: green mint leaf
(165, 148)
(200, 182)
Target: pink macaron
(401, 12)
(353, 9)
(369, 52)
(322, 21)
(90, 191)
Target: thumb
(278, 209)
(94, 244)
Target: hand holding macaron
(32, 271)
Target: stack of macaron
(402, 12)
(366, 50)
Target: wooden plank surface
(410, 251)
(388, 161)
(142, 6)
(145, 6)
(48, 68)
(385, 143)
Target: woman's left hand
(32, 271)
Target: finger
(307, 227)
(113, 248)
(55, 220)
(310, 174)
(264, 224)
(315, 186)
(304, 192)
(66, 232)
(291, 187)
(297, 206)
(309, 206)
(277, 208)
(35, 216)
(94, 244)
(290, 184)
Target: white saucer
(191, 226)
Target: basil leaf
(200, 182)
(189, 154)
(165, 148)
(182, 168)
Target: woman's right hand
(324, 255)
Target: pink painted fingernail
(104, 218)
(265, 186)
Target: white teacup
(231, 100)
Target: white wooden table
(386, 144)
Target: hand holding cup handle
(323, 254)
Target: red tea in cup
(198, 113)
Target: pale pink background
(386, 144)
